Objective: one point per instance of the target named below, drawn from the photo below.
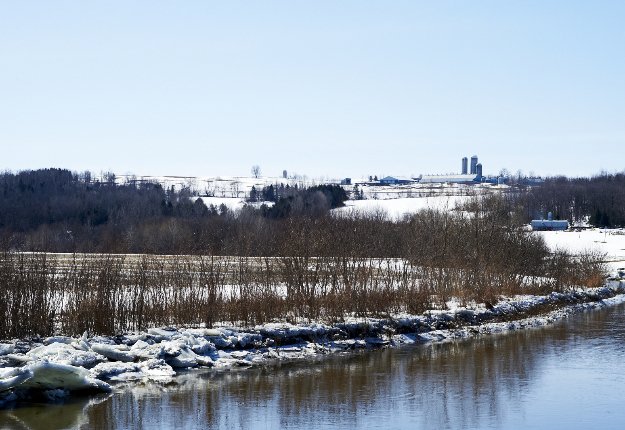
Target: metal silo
(465, 162)
(474, 165)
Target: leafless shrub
(299, 269)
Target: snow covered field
(238, 186)
(608, 241)
(396, 208)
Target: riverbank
(56, 366)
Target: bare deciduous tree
(256, 170)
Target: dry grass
(44, 294)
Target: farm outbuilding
(547, 225)
(458, 179)
(396, 180)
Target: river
(568, 375)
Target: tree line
(58, 210)
(599, 199)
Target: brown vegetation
(297, 269)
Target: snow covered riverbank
(56, 366)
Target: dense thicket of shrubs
(322, 268)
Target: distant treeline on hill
(57, 210)
(63, 211)
(601, 198)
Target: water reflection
(33, 414)
(562, 376)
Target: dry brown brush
(306, 269)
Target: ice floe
(50, 376)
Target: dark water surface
(565, 376)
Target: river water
(568, 375)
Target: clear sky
(337, 88)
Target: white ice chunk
(132, 338)
(81, 345)
(114, 368)
(6, 348)
(118, 371)
(239, 355)
(12, 376)
(204, 361)
(150, 351)
(432, 335)
(222, 342)
(161, 333)
(19, 358)
(115, 352)
(77, 358)
(186, 358)
(140, 344)
(188, 338)
(101, 339)
(52, 349)
(59, 339)
(209, 332)
(64, 354)
(243, 339)
(203, 347)
(157, 369)
(170, 349)
(50, 376)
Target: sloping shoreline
(58, 365)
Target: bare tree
(235, 187)
(256, 170)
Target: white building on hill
(457, 179)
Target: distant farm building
(532, 181)
(500, 180)
(396, 180)
(549, 224)
(474, 177)
(458, 179)
(546, 225)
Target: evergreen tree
(253, 194)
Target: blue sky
(338, 89)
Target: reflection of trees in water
(479, 383)
(63, 414)
(473, 382)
